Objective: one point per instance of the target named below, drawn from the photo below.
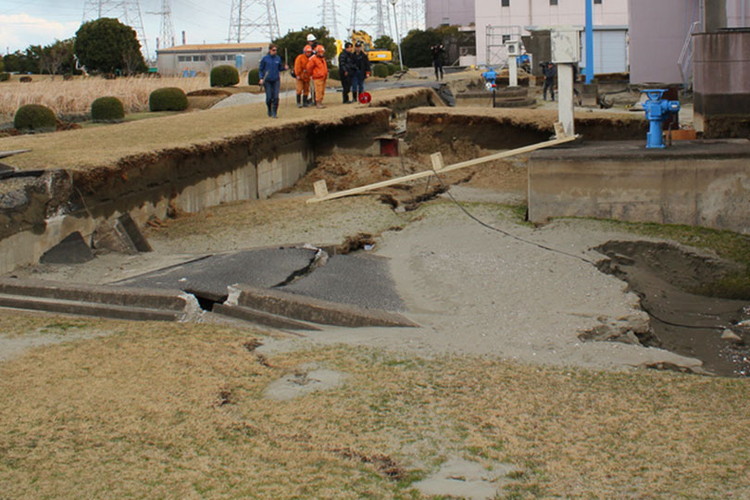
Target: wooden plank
(455, 166)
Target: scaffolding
(497, 37)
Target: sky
(41, 22)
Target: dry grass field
(155, 410)
(74, 97)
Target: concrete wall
(722, 84)
(189, 181)
(460, 12)
(690, 184)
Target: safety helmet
(307, 50)
(320, 50)
(310, 37)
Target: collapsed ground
(181, 408)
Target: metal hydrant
(657, 111)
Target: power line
(127, 11)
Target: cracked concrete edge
(156, 299)
(316, 310)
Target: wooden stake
(320, 188)
(455, 166)
(437, 161)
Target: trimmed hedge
(224, 76)
(168, 99)
(35, 118)
(391, 68)
(107, 109)
(4, 77)
(253, 77)
(380, 70)
(334, 73)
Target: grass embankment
(106, 145)
(177, 410)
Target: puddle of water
(683, 322)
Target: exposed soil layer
(712, 329)
(349, 171)
(507, 129)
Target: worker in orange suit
(303, 77)
(317, 67)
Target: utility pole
(369, 16)
(256, 17)
(328, 17)
(127, 11)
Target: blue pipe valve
(657, 111)
(490, 77)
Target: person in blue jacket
(270, 70)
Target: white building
(501, 20)
(191, 59)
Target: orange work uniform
(317, 68)
(303, 77)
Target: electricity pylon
(127, 11)
(412, 15)
(370, 16)
(166, 28)
(328, 17)
(253, 16)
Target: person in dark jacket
(361, 70)
(270, 70)
(346, 70)
(550, 72)
(438, 53)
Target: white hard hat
(310, 37)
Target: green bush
(253, 77)
(391, 68)
(4, 77)
(168, 99)
(107, 109)
(36, 118)
(380, 70)
(224, 76)
(334, 73)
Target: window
(184, 58)
(553, 2)
(598, 1)
(504, 3)
(199, 58)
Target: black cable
(510, 235)
(493, 228)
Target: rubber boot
(274, 109)
(299, 100)
(355, 97)
(305, 101)
(270, 112)
(346, 97)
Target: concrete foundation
(695, 183)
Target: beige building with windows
(189, 60)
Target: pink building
(498, 20)
(451, 12)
